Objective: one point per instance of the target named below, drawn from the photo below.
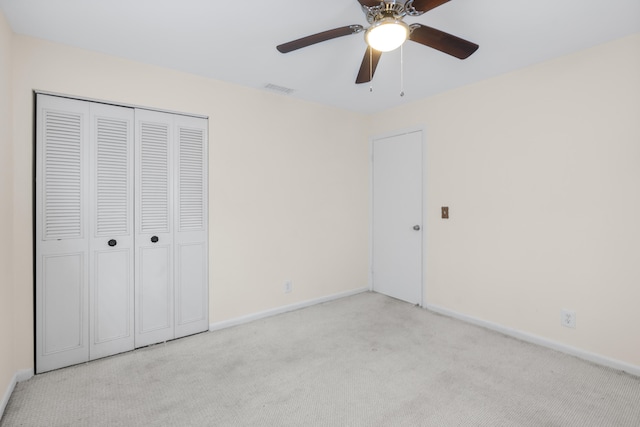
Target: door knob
(416, 227)
(154, 239)
(112, 242)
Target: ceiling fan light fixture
(387, 34)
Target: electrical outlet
(288, 286)
(568, 318)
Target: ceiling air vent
(279, 89)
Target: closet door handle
(154, 239)
(112, 242)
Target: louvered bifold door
(61, 233)
(154, 292)
(190, 237)
(111, 246)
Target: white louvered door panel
(111, 244)
(61, 255)
(154, 294)
(190, 238)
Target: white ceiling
(235, 41)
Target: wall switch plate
(568, 318)
(288, 286)
(445, 212)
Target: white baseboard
(279, 310)
(19, 376)
(534, 339)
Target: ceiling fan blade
(320, 37)
(370, 3)
(426, 5)
(371, 58)
(447, 43)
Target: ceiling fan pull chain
(401, 70)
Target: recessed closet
(120, 229)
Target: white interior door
(397, 217)
(154, 294)
(111, 245)
(191, 228)
(62, 235)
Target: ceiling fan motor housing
(390, 9)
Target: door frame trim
(117, 104)
(424, 217)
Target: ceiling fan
(387, 31)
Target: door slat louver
(191, 184)
(62, 175)
(112, 182)
(154, 215)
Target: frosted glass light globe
(387, 34)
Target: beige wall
(289, 180)
(541, 171)
(6, 221)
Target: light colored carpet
(365, 360)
